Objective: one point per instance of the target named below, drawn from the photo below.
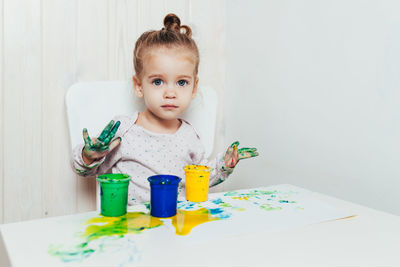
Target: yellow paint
(241, 198)
(239, 209)
(185, 220)
(130, 223)
(135, 222)
(197, 168)
(197, 182)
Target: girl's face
(168, 82)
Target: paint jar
(163, 195)
(113, 193)
(197, 182)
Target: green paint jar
(113, 193)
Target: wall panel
(59, 72)
(1, 114)
(22, 109)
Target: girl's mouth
(169, 106)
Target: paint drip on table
(107, 234)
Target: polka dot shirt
(143, 153)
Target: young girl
(156, 141)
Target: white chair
(92, 105)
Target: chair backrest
(92, 105)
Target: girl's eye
(182, 82)
(157, 82)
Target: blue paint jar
(163, 195)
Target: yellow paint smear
(185, 220)
(241, 198)
(130, 223)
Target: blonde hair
(172, 35)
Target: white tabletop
(370, 238)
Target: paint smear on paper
(76, 253)
(250, 194)
(98, 227)
(130, 223)
(185, 220)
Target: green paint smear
(252, 193)
(268, 207)
(80, 171)
(130, 223)
(77, 253)
(147, 205)
(226, 205)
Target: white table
(371, 238)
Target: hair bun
(173, 23)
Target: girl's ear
(196, 82)
(137, 86)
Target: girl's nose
(170, 93)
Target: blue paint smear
(186, 205)
(216, 211)
(224, 215)
(217, 201)
(220, 213)
(286, 201)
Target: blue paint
(224, 215)
(216, 211)
(217, 201)
(220, 213)
(286, 201)
(163, 195)
(186, 205)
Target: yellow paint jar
(197, 181)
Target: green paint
(218, 180)
(247, 152)
(77, 253)
(95, 148)
(268, 207)
(80, 171)
(114, 193)
(225, 205)
(99, 227)
(243, 153)
(113, 178)
(249, 194)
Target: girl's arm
(222, 166)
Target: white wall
(315, 86)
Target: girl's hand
(233, 154)
(96, 148)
